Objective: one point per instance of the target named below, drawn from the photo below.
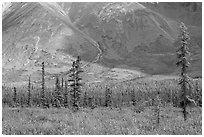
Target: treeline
(131, 93)
(72, 93)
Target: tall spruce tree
(43, 85)
(29, 94)
(182, 62)
(75, 83)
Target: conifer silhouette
(58, 94)
(43, 85)
(14, 96)
(66, 95)
(108, 94)
(75, 83)
(182, 62)
(29, 94)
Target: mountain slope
(144, 40)
(140, 37)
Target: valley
(101, 68)
(145, 42)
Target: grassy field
(100, 121)
(133, 109)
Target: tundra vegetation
(139, 106)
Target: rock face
(143, 39)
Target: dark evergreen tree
(108, 94)
(57, 83)
(75, 83)
(58, 94)
(62, 85)
(66, 103)
(14, 96)
(133, 98)
(22, 97)
(182, 53)
(157, 103)
(43, 86)
(29, 94)
(85, 99)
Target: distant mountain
(144, 41)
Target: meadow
(140, 106)
(99, 121)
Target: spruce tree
(66, 95)
(133, 97)
(58, 94)
(75, 83)
(14, 96)
(182, 62)
(29, 94)
(108, 94)
(22, 99)
(62, 85)
(85, 99)
(43, 86)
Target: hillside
(143, 42)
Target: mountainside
(114, 40)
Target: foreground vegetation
(100, 121)
(130, 107)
